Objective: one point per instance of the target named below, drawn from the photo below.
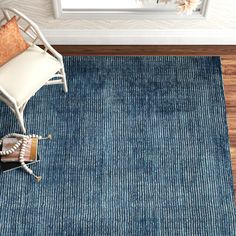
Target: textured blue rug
(140, 148)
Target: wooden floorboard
(229, 77)
(145, 50)
(228, 58)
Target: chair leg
(65, 87)
(20, 118)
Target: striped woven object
(140, 148)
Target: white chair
(25, 74)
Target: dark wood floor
(228, 56)
(229, 75)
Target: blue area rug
(140, 148)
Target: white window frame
(125, 13)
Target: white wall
(218, 28)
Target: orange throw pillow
(11, 41)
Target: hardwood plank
(228, 60)
(145, 50)
(229, 77)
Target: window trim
(124, 13)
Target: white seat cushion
(26, 73)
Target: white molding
(57, 8)
(106, 14)
(127, 15)
(205, 8)
(141, 37)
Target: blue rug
(140, 148)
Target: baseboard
(141, 37)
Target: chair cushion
(11, 41)
(26, 73)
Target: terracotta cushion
(11, 41)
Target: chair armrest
(6, 95)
